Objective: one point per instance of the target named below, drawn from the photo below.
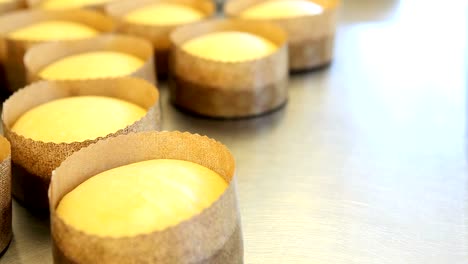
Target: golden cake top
(141, 197)
(277, 9)
(53, 30)
(92, 65)
(230, 46)
(77, 119)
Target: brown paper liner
(229, 90)
(311, 38)
(40, 56)
(5, 194)
(94, 7)
(6, 7)
(11, 5)
(14, 50)
(158, 35)
(34, 161)
(213, 236)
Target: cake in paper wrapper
(213, 236)
(158, 34)
(220, 89)
(33, 161)
(14, 49)
(311, 37)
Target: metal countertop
(366, 164)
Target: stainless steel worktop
(366, 164)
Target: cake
(310, 25)
(155, 20)
(97, 64)
(279, 9)
(233, 68)
(53, 30)
(229, 46)
(141, 198)
(76, 119)
(149, 197)
(163, 13)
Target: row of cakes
(34, 160)
(117, 190)
(216, 69)
(157, 195)
(310, 24)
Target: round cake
(141, 197)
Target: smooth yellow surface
(141, 197)
(76, 119)
(230, 46)
(282, 9)
(53, 30)
(99, 64)
(164, 14)
(63, 4)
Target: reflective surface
(366, 164)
